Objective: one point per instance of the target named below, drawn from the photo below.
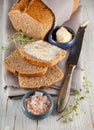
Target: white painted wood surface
(11, 117)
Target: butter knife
(64, 93)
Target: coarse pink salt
(37, 104)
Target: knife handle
(65, 89)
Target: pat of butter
(63, 35)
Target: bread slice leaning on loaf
(53, 75)
(33, 17)
(41, 53)
(16, 64)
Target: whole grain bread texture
(32, 17)
(53, 75)
(17, 65)
(42, 53)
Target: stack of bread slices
(35, 64)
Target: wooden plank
(9, 116)
(89, 54)
(21, 121)
(81, 122)
(13, 119)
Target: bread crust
(8, 66)
(39, 62)
(39, 73)
(54, 73)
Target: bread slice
(16, 64)
(53, 75)
(33, 17)
(41, 53)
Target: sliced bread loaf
(16, 64)
(33, 17)
(53, 75)
(41, 53)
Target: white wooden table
(11, 117)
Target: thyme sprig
(3, 48)
(6, 48)
(17, 39)
(72, 109)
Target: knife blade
(74, 54)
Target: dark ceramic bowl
(32, 116)
(52, 38)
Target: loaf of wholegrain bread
(33, 17)
(16, 64)
(41, 53)
(53, 75)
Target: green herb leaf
(72, 109)
(6, 48)
(20, 38)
